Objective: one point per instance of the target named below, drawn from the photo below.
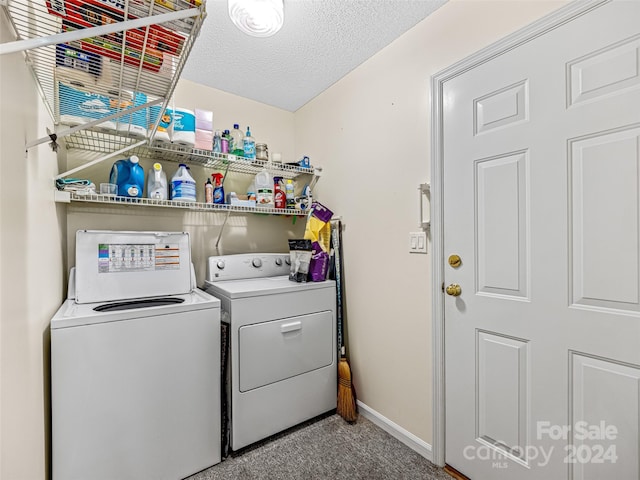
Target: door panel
(612, 70)
(541, 201)
(502, 108)
(605, 227)
(502, 395)
(501, 238)
(605, 394)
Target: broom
(346, 405)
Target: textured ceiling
(321, 41)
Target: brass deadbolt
(455, 261)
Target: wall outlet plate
(417, 242)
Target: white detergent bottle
(264, 189)
(157, 183)
(183, 186)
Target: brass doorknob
(454, 290)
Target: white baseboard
(395, 430)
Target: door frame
(539, 27)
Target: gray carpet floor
(327, 448)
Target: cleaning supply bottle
(208, 191)
(183, 186)
(279, 197)
(224, 141)
(251, 191)
(264, 189)
(218, 190)
(236, 146)
(217, 142)
(291, 199)
(129, 176)
(249, 145)
(157, 183)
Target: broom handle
(337, 247)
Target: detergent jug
(129, 176)
(183, 186)
(157, 183)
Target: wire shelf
(193, 206)
(222, 161)
(93, 59)
(100, 141)
(97, 141)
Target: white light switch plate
(417, 242)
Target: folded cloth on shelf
(76, 185)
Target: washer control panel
(247, 265)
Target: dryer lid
(114, 266)
(255, 287)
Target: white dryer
(282, 338)
(135, 362)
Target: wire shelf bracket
(31, 43)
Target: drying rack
(129, 46)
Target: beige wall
(35, 255)
(31, 272)
(371, 130)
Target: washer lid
(121, 265)
(72, 314)
(255, 287)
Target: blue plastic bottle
(249, 145)
(129, 176)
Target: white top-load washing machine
(135, 362)
(282, 339)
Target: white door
(541, 203)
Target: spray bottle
(279, 197)
(218, 189)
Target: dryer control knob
(278, 262)
(256, 262)
(287, 261)
(220, 264)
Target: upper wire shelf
(97, 141)
(93, 59)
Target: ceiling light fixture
(258, 18)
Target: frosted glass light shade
(259, 18)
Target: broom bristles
(346, 406)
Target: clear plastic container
(236, 145)
(264, 189)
